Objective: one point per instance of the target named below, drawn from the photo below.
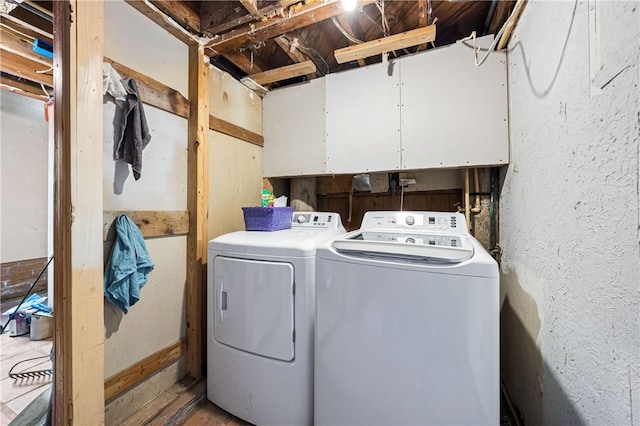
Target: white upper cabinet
(363, 119)
(294, 130)
(434, 109)
(454, 114)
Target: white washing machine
(407, 325)
(260, 320)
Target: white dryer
(407, 325)
(260, 320)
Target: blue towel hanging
(128, 267)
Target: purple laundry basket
(267, 218)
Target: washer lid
(418, 246)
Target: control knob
(410, 220)
(301, 219)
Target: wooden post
(197, 204)
(78, 300)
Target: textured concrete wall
(24, 140)
(569, 219)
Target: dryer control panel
(316, 220)
(421, 221)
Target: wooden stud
(238, 132)
(20, 66)
(422, 19)
(283, 73)
(151, 223)
(78, 301)
(197, 203)
(11, 84)
(387, 44)
(134, 374)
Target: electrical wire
(493, 44)
(344, 32)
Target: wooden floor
(209, 414)
(16, 395)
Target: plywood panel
(454, 113)
(363, 119)
(163, 184)
(233, 102)
(235, 166)
(136, 42)
(157, 320)
(24, 137)
(294, 130)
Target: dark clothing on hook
(134, 135)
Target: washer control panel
(453, 223)
(315, 220)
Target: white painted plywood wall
(570, 215)
(157, 320)
(363, 119)
(235, 166)
(295, 130)
(24, 139)
(454, 114)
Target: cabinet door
(294, 130)
(363, 119)
(453, 113)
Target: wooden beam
(197, 203)
(511, 24)
(151, 223)
(500, 15)
(153, 92)
(163, 20)
(422, 19)
(216, 21)
(131, 376)
(283, 73)
(78, 282)
(252, 8)
(31, 21)
(387, 44)
(11, 84)
(15, 43)
(22, 67)
(26, 32)
(232, 130)
(181, 13)
(242, 61)
(299, 16)
(292, 52)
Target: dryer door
(253, 306)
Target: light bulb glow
(349, 5)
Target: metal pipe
(467, 209)
(477, 208)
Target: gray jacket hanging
(134, 135)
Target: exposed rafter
(298, 17)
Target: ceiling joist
(284, 73)
(386, 44)
(22, 67)
(15, 43)
(298, 17)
